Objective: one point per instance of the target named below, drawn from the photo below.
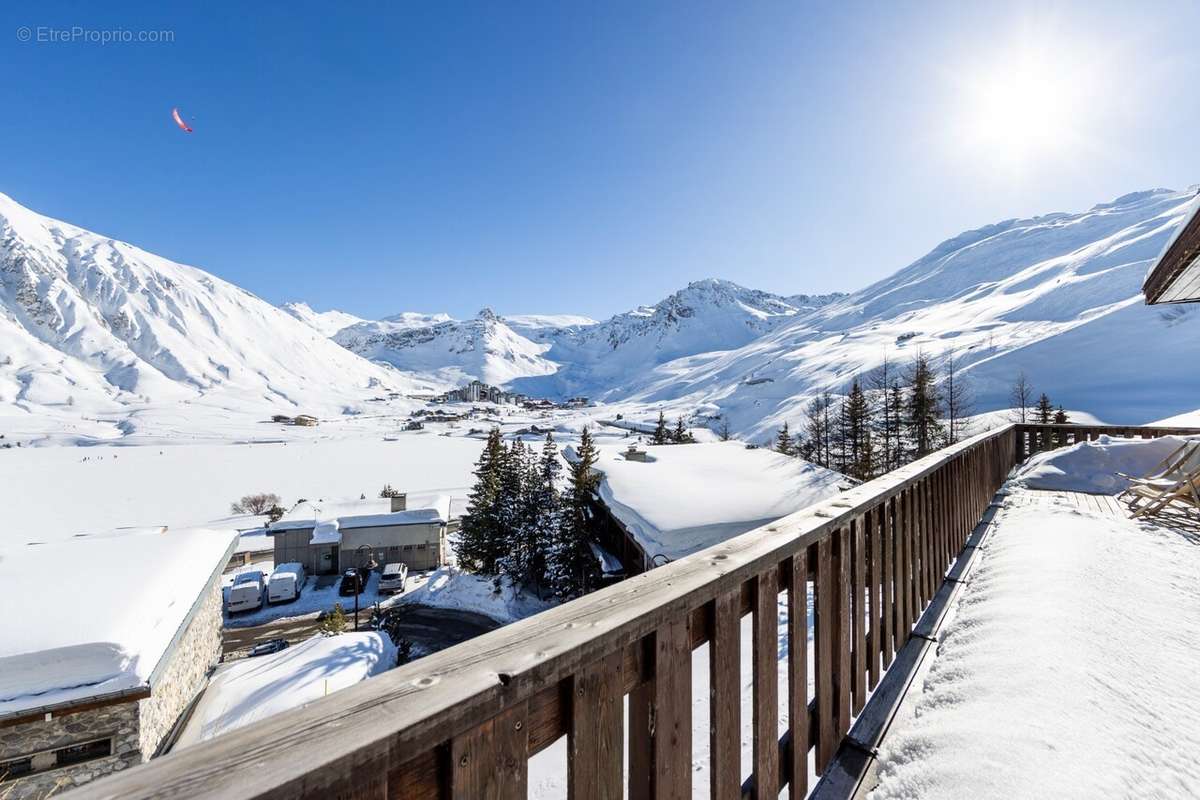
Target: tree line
(521, 525)
(677, 435)
(895, 415)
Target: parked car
(354, 581)
(394, 577)
(286, 582)
(268, 647)
(246, 594)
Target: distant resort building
(480, 392)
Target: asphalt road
(431, 629)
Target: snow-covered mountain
(1057, 296)
(326, 323)
(561, 355)
(92, 328)
(451, 352)
(705, 316)
(96, 334)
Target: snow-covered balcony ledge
(1067, 665)
(466, 722)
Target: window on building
(47, 760)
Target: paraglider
(179, 120)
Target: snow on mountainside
(561, 355)
(705, 316)
(450, 352)
(94, 332)
(327, 323)
(1057, 296)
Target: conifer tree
(1044, 412)
(660, 430)
(512, 508)
(1060, 416)
(923, 407)
(680, 435)
(481, 541)
(572, 569)
(783, 441)
(886, 430)
(895, 413)
(546, 509)
(723, 431)
(859, 456)
(818, 433)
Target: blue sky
(581, 157)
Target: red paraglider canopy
(179, 120)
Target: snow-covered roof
(107, 611)
(685, 498)
(246, 691)
(374, 513)
(326, 533)
(254, 541)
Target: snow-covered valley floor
(1067, 670)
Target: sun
(1024, 105)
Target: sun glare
(1024, 106)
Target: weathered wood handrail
(464, 722)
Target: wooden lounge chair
(1182, 460)
(1151, 497)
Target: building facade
(49, 749)
(330, 539)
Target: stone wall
(194, 656)
(119, 721)
(137, 727)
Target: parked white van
(246, 594)
(286, 583)
(393, 578)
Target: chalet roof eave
(1175, 276)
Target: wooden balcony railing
(464, 722)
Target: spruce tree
(858, 445)
(723, 431)
(895, 416)
(818, 430)
(546, 511)
(879, 380)
(680, 434)
(480, 540)
(921, 418)
(572, 566)
(783, 442)
(1060, 416)
(512, 513)
(661, 434)
(1044, 412)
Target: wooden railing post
(596, 741)
(858, 615)
(824, 632)
(725, 699)
(802, 564)
(490, 762)
(765, 660)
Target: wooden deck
(1102, 504)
